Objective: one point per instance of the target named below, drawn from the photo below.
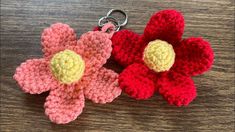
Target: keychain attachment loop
(120, 11)
(108, 18)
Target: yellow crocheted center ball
(159, 55)
(67, 66)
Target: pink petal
(95, 48)
(34, 76)
(64, 104)
(56, 37)
(102, 86)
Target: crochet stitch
(159, 55)
(165, 70)
(72, 70)
(67, 66)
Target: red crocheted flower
(160, 61)
(71, 69)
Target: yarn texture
(71, 70)
(67, 66)
(159, 56)
(160, 61)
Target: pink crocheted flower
(72, 70)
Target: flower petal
(176, 88)
(34, 76)
(102, 86)
(64, 104)
(167, 25)
(95, 48)
(128, 47)
(193, 56)
(56, 37)
(137, 80)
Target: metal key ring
(109, 19)
(120, 11)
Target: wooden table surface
(213, 110)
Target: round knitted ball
(159, 55)
(67, 66)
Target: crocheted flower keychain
(161, 61)
(71, 69)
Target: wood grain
(213, 110)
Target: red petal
(167, 25)
(176, 88)
(137, 80)
(193, 56)
(127, 47)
